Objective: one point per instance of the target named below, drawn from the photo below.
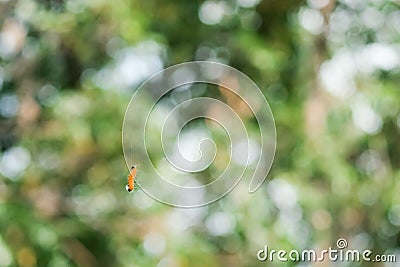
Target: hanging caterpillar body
(130, 186)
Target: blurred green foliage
(329, 69)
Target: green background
(330, 72)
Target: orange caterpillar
(131, 179)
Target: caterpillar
(130, 186)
